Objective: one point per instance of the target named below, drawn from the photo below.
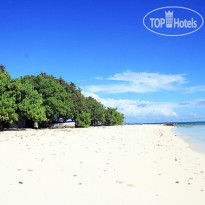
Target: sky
(103, 47)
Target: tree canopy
(2, 68)
(43, 98)
(31, 105)
(97, 111)
(56, 101)
(113, 117)
(9, 94)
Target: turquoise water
(193, 134)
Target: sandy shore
(122, 165)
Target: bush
(83, 120)
(113, 117)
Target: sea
(193, 133)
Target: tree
(96, 110)
(44, 98)
(56, 100)
(79, 102)
(2, 68)
(31, 105)
(19, 99)
(113, 117)
(83, 120)
(9, 94)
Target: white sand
(129, 165)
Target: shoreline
(194, 144)
(129, 164)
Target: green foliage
(43, 98)
(113, 117)
(78, 99)
(83, 120)
(79, 103)
(56, 100)
(17, 99)
(31, 105)
(96, 110)
(8, 96)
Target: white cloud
(151, 79)
(139, 83)
(142, 82)
(99, 78)
(194, 89)
(137, 108)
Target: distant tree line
(43, 98)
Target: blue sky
(104, 48)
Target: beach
(122, 165)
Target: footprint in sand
(130, 185)
(119, 182)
